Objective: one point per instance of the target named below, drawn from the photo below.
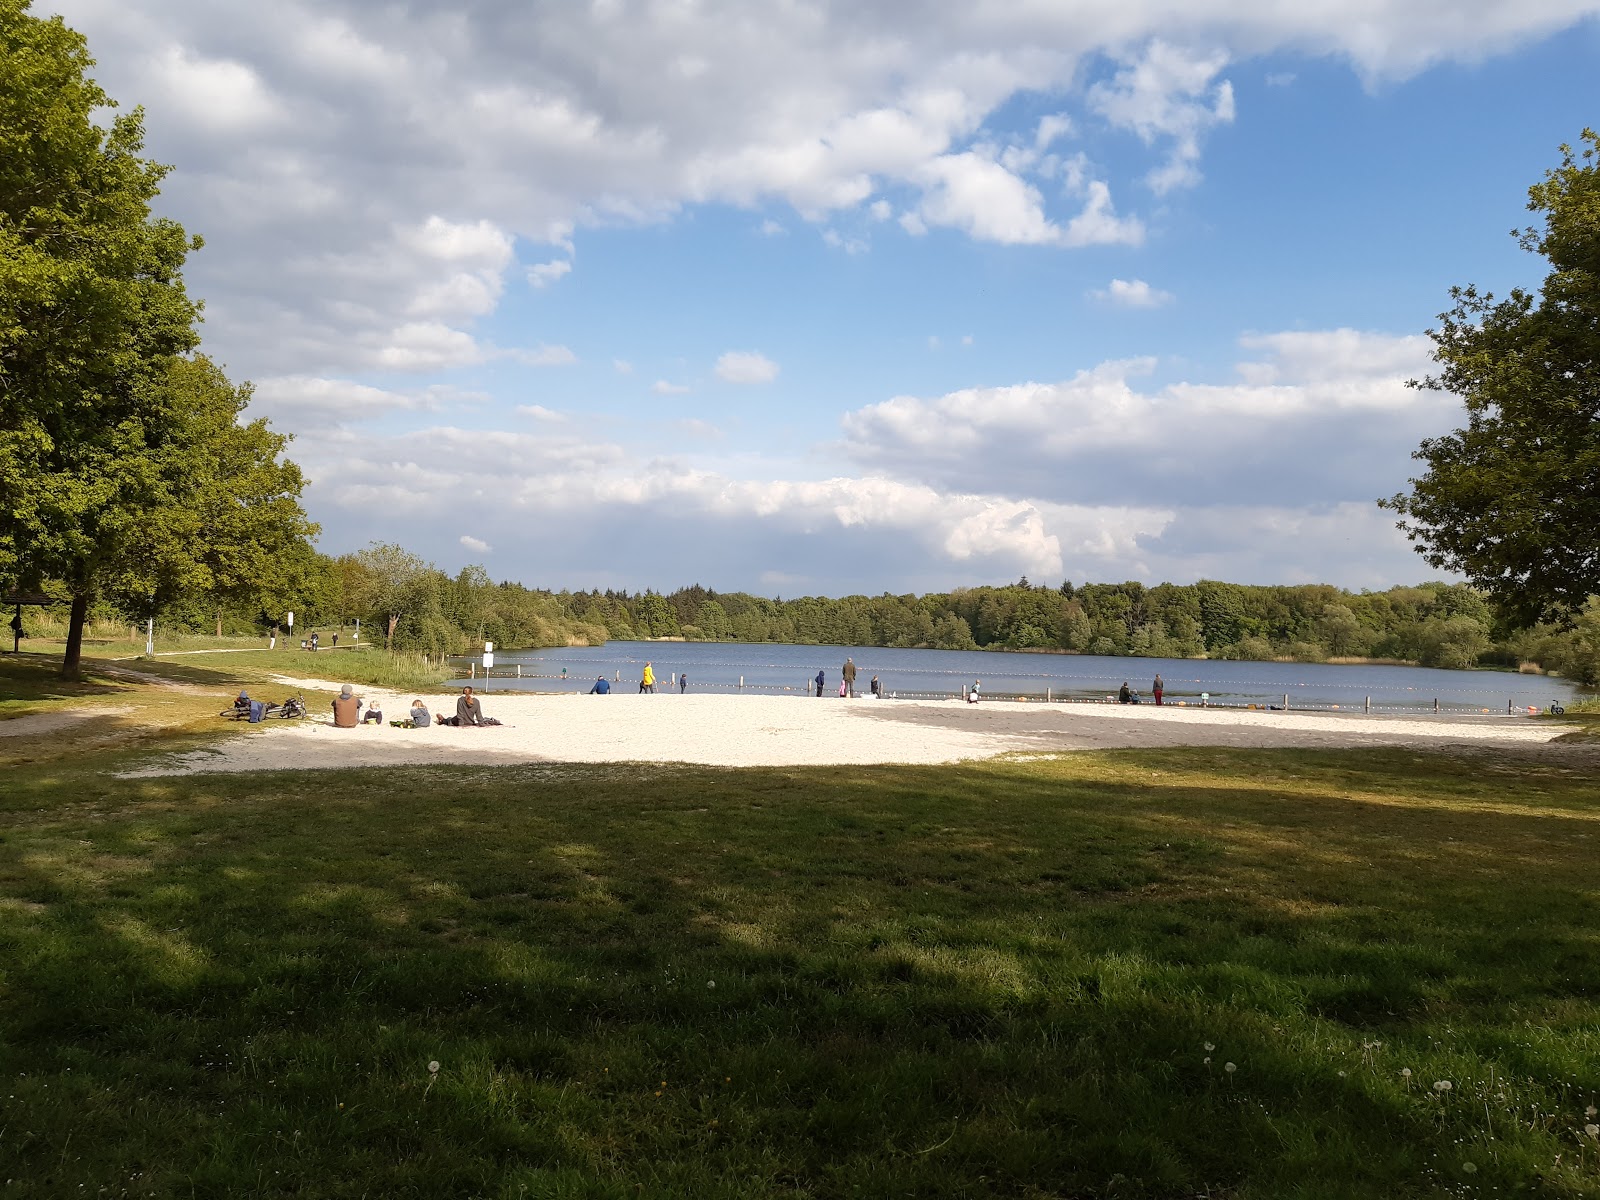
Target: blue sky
(852, 298)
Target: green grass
(643, 981)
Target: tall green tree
(1513, 500)
(394, 582)
(93, 313)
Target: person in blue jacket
(602, 686)
(821, 681)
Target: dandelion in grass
(1210, 1046)
(1469, 1167)
(1442, 1086)
(1230, 1068)
(1591, 1111)
(1207, 1062)
(1592, 1130)
(1405, 1072)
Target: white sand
(736, 731)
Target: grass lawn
(1187, 973)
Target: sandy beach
(740, 731)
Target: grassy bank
(1135, 974)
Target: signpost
(488, 658)
(19, 599)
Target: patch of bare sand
(45, 723)
(737, 731)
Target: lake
(764, 669)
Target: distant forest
(415, 607)
(1436, 624)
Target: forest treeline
(1435, 624)
(412, 606)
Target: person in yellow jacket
(648, 682)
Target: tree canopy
(1512, 501)
(123, 469)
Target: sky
(798, 297)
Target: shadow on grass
(1016, 979)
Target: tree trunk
(72, 661)
(274, 644)
(219, 624)
(388, 636)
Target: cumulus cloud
(746, 366)
(542, 275)
(543, 356)
(476, 545)
(662, 387)
(358, 168)
(1167, 94)
(1132, 293)
(1318, 418)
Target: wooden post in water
(1436, 706)
(1286, 702)
(1369, 703)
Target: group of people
(347, 712)
(647, 681)
(1127, 695)
(847, 684)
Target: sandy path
(793, 731)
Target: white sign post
(488, 657)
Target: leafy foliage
(1513, 500)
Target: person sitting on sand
(1124, 694)
(469, 709)
(347, 708)
(972, 696)
(374, 715)
(421, 718)
(602, 686)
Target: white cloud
(838, 241)
(222, 96)
(540, 413)
(368, 168)
(972, 192)
(1132, 293)
(663, 388)
(1320, 418)
(881, 210)
(542, 275)
(476, 545)
(1052, 128)
(1167, 94)
(1098, 223)
(771, 228)
(622, 366)
(542, 356)
(746, 366)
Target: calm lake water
(774, 669)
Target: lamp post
(150, 630)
